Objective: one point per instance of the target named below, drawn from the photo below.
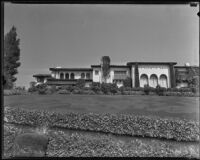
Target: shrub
(64, 92)
(160, 90)
(127, 82)
(20, 88)
(77, 91)
(42, 88)
(185, 90)
(128, 89)
(80, 83)
(105, 87)
(53, 89)
(99, 93)
(14, 92)
(113, 88)
(195, 90)
(121, 89)
(88, 92)
(137, 89)
(96, 87)
(146, 89)
(188, 94)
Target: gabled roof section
(70, 69)
(153, 63)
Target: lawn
(163, 106)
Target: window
(82, 75)
(120, 72)
(61, 76)
(96, 72)
(88, 75)
(67, 76)
(72, 75)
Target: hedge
(63, 144)
(14, 92)
(78, 145)
(180, 130)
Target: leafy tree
(11, 57)
(80, 83)
(105, 66)
(146, 89)
(127, 82)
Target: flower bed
(76, 145)
(180, 130)
(62, 144)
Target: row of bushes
(14, 92)
(78, 145)
(180, 130)
(112, 89)
(63, 144)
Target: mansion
(152, 73)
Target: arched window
(72, 75)
(61, 76)
(153, 82)
(88, 75)
(67, 76)
(82, 75)
(143, 80)
(163, 81)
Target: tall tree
(11, 57)
(105, 67)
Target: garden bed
(64, 144)
(122, 124)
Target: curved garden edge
(85, 145)
(179, 130)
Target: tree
(80, 83)
(127, 82)
(11, 57)
(105, 67)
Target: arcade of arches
(153, 81)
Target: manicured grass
(165, 107)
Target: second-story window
(88, 75)
(96, 72)
(82, 75)
(120, 72)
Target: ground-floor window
(153, 82)
(143, 80)
(163, 81)
(72, 75)
(61, 76)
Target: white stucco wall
(98, 78)
(111, 78)
(53, 74)
(155, 69)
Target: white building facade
(141, 73)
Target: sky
(78, 35)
